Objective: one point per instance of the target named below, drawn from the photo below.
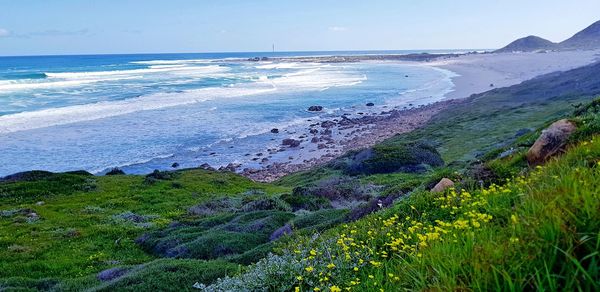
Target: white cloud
(338, 28)
(4, 32)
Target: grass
(539, 231)
(79, 232)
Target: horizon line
(233, 52)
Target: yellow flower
(299, 278)
(331, 266)
(317, 289)
(309, 269)
(335, 289)
(356, 269)
(297, 289)
(514, 218)
(313, 252)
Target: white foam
(17, 85)
(73, 79)
(304, 80)
(173, 62)
(151, 70)
(79, 113)
(290, 65)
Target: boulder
(370, 104)
(328, 124)
(315, 108)
(207, 166)
(551, 141)
(115, 171)
(443, 185)
(290, 142)
(274, 130)
(284, 230)
(175, 165)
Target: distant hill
(588, 38)
(528, 44)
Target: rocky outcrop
(315, 108)
(442, 185)
(551, 141)
(290, 142)
(111, 274)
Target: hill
(589, 38)
(528, 44)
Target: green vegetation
(537, 230)
(61, 227)
(365, 221)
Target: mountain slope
(589, 38)
(528, 44)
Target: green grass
(540, 231)
(77, 232)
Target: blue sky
(33, 27)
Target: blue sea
(145, 112)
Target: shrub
(300, 200)
(405, 157)
(115, 171)
(169, 275)
(269, 203)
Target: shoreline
(334, 136)
(473, 74)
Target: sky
(48, 27)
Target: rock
(284, 230)
(232, 167)
(207, 166)
(175, 165)
(314, 131)
(274, 130)
(327, 124)
(551, 141)
(115, 171)
(443, 185)
(315, 108)
(290, 142)
(111, 274)
(370, 104)
(40, 203)
(314, 140)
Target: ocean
(148, 111)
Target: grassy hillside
(537, 230)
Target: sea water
(145, 112)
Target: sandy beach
(482, 72)
(475, 73)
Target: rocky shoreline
(420, 57)
(324, 141)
